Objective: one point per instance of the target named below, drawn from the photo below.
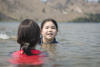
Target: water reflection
(24, 65)
(49, 48)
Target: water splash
(4, 36)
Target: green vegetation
(89, 18)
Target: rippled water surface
(79, 45)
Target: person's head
(28, 35)
(49, 29)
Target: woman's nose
(49, 29)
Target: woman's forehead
(49, 23)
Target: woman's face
(49, 30)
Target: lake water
(79, 45)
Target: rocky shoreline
(60, 10)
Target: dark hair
(28, 35)
(52, 20)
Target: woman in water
(49, 29)
(28, 37)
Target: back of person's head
(52, 20)
(28, 35)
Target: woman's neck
(46, 40)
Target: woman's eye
(50, 27)
(53, 28)
(46, 27)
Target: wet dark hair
(52, 20)
(28, 35)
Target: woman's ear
(57, 30)
(40, 31)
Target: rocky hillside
(61, 10)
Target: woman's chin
(50, 38)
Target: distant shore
(88, 18)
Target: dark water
(79, 45)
